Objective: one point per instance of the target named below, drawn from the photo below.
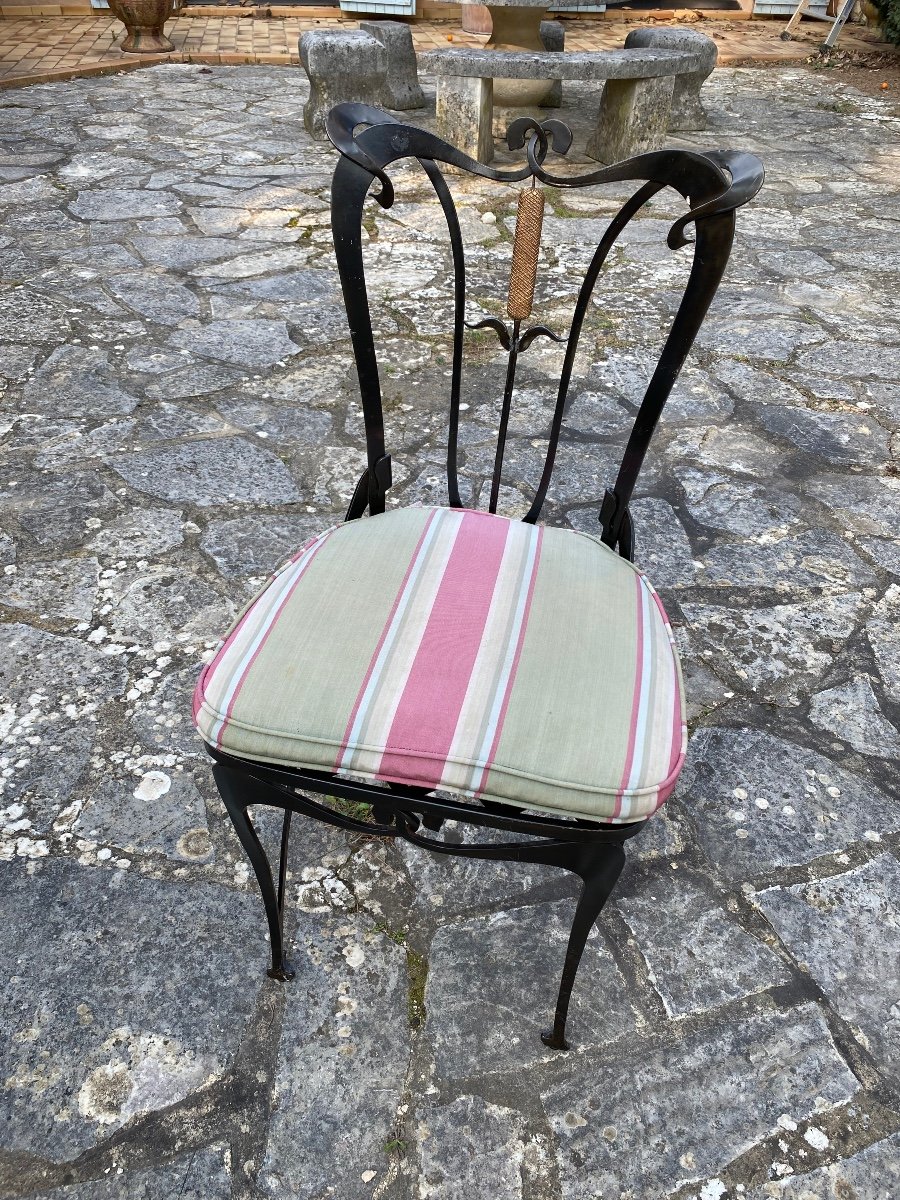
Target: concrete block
(553, 35)
(464, 110)
(633, 118)
(341, 65)
(401, 88)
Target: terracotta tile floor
(38, 50)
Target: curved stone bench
(687, 110)
(634, 108)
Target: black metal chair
(438, 663)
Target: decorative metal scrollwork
(714, 184)
(518, 343)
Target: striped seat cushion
(459, 650)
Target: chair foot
(549, 1038)
(283, 973)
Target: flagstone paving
(179, 413)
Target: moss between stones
(354, 809)
(556, 200)
(397, 936)
(417, 969)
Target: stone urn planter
(145, 22)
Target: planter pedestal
(145, 21)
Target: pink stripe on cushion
(197, 698)
(263, 635)
(677, 729)
(636, 696)
(428, 712)
(662, 795)
(523, 626)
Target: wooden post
(794, 21)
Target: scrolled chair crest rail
(732, 177)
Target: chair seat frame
(369, 141)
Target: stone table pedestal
(553, 37)
(516, 25)
(476, 18)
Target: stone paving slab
(128, 1006)
(200, 1176)
(472, 1148)
(853, 923)
(637, 1127)
(179, 414)
(485, 1014)
(348, 1041)
(698, 955)
(875, 1171)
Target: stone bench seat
(543, 64)
(634, 108)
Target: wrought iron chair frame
(714, 184)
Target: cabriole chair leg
(599, 868)
(235, 797)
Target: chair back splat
(714, 184)
(496, 673)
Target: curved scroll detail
(713, 184)
(375, 147)
(559, 135)
(747, 176)
(341, 124)
(737, 175)
(537, 331)
(498, 327)
(726, 179)
(511, 341)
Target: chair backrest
(714, 184)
